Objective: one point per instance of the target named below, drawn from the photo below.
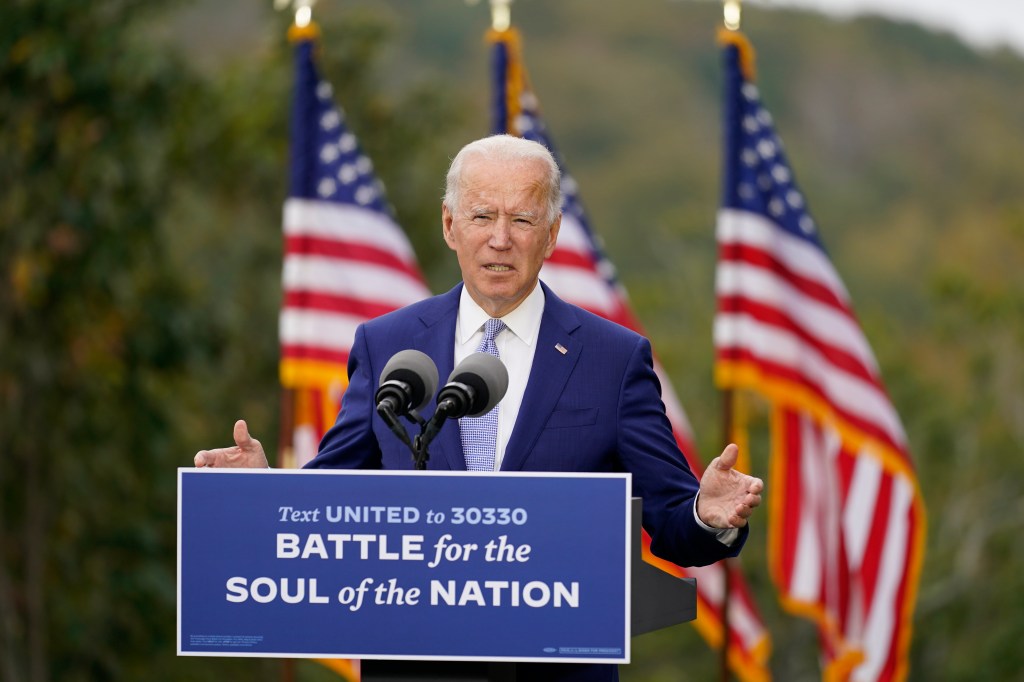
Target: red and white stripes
(572, 273)
(847, 521)
(343, 265)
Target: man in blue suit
(582, 396)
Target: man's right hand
(247, 452)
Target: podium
(659, 600)
(422, 576)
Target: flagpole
(731, 14)
(286, 424)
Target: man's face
(499, 231)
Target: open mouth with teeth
(497, 268)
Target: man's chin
(504, 299)
(500, 285)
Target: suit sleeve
(351, 442)
(661, 475)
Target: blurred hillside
(140, 191)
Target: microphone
(407, 383)
(474, 387)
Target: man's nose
(501, 233)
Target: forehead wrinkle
(528, 201)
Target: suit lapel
(548, 377)
(437, 340)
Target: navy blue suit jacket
(594, 408)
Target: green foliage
(95, 332)
(140, 244)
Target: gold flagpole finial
(501, 14)
(731, 12)
(303, 10)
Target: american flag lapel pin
(561, 349)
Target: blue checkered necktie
(480, 434)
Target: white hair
(510, 149)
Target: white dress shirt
(516, 346)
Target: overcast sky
(982, 23)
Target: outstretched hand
(727, 496)
(246, 453)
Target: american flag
(346, 260)
(847, 520)
(579, 272)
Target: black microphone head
(417, 371)
(486, 376)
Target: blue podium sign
(404, 565)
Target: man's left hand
(727, 497)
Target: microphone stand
(429, 430)
(386, 410)
(419, 453)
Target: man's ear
(553, 235)
(446, 225)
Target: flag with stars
(346, 260)
(846, 517)
(580, 272)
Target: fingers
(745, 509)
(727, 460)
(212, 458)
(751, 500)
(241, 434)
(247, 451)
(739, 517)
(737, 521)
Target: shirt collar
(524, 321)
